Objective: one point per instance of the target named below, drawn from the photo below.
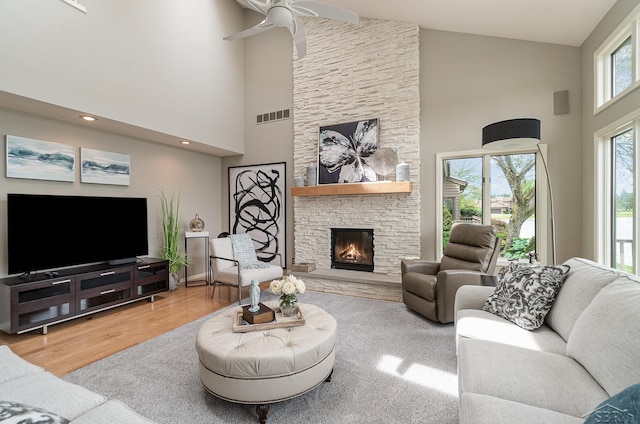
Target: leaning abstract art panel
(344, 150)
(257, 207)
(40, 160)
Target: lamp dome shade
(511, 134)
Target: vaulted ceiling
(566, 22)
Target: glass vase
(288, 305)
(196, 224)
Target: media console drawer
(151, 278)
(31, 304)
(104, 288)
(42, 302)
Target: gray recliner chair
(429, 287)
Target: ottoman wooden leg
(330, 374)
(262, 411)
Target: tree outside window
(621, 67)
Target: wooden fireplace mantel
(378, 187)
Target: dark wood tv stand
(46, 299)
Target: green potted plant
(171, 230)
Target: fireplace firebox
(352, 248)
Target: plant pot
(174, 280)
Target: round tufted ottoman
(263, 367)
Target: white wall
(468, 82)
(593, 123)
(160, 65)
(268, 80)
(154, 167)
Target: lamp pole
(517, 134)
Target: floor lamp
(518, 134)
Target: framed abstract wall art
(344, 150)
(257, 207)
(39, 159)
(99, 167)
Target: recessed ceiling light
(185, 142)
(88, 118)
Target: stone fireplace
(352, 248)
(352, 73)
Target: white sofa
(28, 391)
(587, 350)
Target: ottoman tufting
(263, 367)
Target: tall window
(623, 191)
(492, 189)
(617, 200)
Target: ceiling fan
(286, 14)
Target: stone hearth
(353, 283)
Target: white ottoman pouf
(263, 367)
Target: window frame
(604, 195)
(543, 222)
(603, 66)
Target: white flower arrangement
(287, 286)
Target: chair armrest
(422, 266)
(447, 285)
(224, 259)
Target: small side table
(197, 235)
(489, 280)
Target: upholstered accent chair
(233, 262)
(429, 287)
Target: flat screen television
(46, 232)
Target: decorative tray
(242, 326)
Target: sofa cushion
(624, 406)
(526, 293)
(113, 411)
(12, 366)
(44, 390)
(583, 282)
(541, 379)
(482, 409)
(606, 337)
(19, 413)
(476, 324)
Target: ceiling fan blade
(261, 27)
(256, 5)
(323, 10)
(299, 37)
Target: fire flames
(351, 253)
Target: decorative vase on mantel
(174, 280)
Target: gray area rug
(391, 366)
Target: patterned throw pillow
(526, 293)
(14, 413)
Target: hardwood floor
(74, 344)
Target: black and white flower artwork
(344, 151)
